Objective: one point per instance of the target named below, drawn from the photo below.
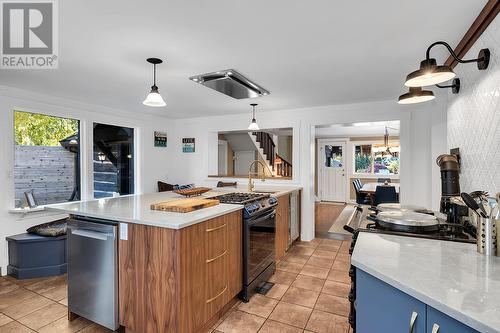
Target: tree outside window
(377, 159)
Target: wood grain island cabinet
(179, 280)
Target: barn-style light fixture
(101, 156)
(253, 125)
(418, 95)
(154, 98)
(430, 73)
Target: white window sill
(26, 210)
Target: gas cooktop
(240, 198)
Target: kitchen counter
(274, 191)
(136, 209)
(449, 276)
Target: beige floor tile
(28, 306)
(300, 296)
(333, 304)
(259, 305)
(320, 262)
(341, 266)
(283, 277)
(291, 314)
(331, 242)
(271, 326)
(308, 282)
(297, 258)
(15, 297)
(64, 301)
(288, 266)
(277, 291)
(24, 282)
(345, 246)
(336, 288)
(63, 325)
(343, 258)
(324, 254)
(327, 247)
(323, 322)
(241, 322)
(306, 244)
(44, 316)
(339, 276)
(48, 284)
(7, 286)
(314, 271)
(57, 293)
(306, 251)
(14, 327)
(94, 328)
(4, 319)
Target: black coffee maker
(450, 187)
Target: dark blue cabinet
(381, 308)
(438, 322)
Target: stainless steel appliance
(259, 229)
(93, 270)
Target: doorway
(331, 170)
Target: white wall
(420, 140)
(153, 163)
(474, 117)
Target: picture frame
(188, 145)
(30, 199)
(160, 139)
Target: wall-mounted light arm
(482, 59)
(455, 86)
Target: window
(47, 158)
(113, 160)
(377, 159)
(333, 156)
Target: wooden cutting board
(184, 205)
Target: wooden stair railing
(283, 167)
(267, 144)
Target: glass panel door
(113, 160)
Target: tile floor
(309, 295)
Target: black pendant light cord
(453, 54)
(154, 75)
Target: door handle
(435, 328)
(90, 234)
(413, 319)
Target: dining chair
(383, 180)
(386, 194)
(361, 198)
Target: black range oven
(259, 229)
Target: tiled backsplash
(474, 117)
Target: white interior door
(242, 161)
(331, 178)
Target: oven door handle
(263, 218)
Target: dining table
(370, 188)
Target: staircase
(267, 149)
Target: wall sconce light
(430, 73)
(418, 95)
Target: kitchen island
(436, 286)
(177, 272)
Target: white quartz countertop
(449, 276)
(136, 209)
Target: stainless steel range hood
(231, 83)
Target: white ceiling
(307, 53)
(364, 129)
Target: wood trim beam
(479, 25)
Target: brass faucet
(250, 182)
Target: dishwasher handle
(91, 234)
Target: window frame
(372, 174)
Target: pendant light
(253, 125)
(430, 73)
(154, 98)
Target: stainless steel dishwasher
(93, 270)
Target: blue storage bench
(32, 256)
